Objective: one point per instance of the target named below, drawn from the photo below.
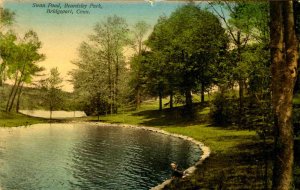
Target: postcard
(136, 94)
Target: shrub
(224, 109)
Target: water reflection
(82, 156)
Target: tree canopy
(189, 43)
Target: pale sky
(61, 35)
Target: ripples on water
(83, 156)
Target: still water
(86, 156)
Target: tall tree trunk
(202, 93)
(284, 57)
(297, 85)
(2, 68)
(116, 84)
(109, 70)
(171, 99)
(138, 98)
(114, 95)
(160, 100)
(238, 43)
(241, 95)
(14, 95)
(11, 94)
(188, 98)
(17, 89)
(19, 96)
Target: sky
(61, 34)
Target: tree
(139, 32)
(6, 39)
(21, 62)
(284, 56)
(18, 57)
(247, 26)
(189, 41)
(155, 72)
(297, 18)
(160, 70)
(247, 22)
(51, 86)
(7, 17)
(101, 66)
(7, 50)
(297, 24)
(90, 80)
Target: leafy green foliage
(251, 19)
(7, 17)
(297, 17)
(19, 62)
(223, 109)
(137, 69)
(7, 52)
(188, 44)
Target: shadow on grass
(178, 116)
(244, 168)
(297, 164)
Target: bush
(258, 116)
(224, 109)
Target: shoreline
(189, 171)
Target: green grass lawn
(14, 120)
(219, 140)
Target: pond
(87, 156)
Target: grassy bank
(15, 119)
(219, 139)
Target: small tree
(52, 88)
